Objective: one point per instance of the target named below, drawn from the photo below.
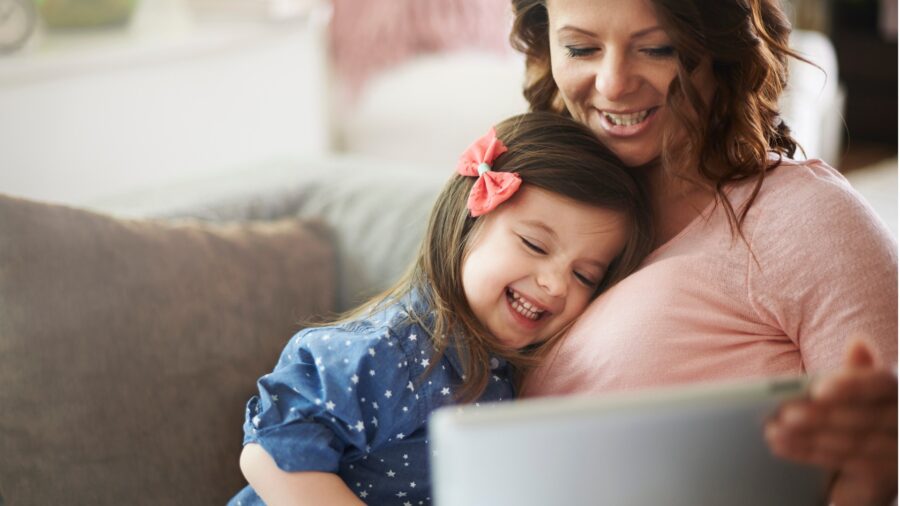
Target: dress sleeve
(332, 395)
(825, 270)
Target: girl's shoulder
(391, 326)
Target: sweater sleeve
(823, 268)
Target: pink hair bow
(492, 188)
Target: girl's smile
(523, 306)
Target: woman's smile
(627, 124)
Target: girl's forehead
(543, 209)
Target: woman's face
(613, 64)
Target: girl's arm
(277, 487)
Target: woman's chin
(636, 156)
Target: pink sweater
(701, 308)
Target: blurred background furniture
(190, 88)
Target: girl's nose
(613, 79)
(553, 282)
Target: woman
(763, 265)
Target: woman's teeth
(626, 119)
(522, 306)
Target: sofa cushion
(128, 348)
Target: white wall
(89, 115)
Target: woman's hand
(848, 425)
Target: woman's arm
(848, 425)
(277, 487)
(828, 272)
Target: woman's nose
(613, 79)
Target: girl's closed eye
(586, 280)
(533, 247)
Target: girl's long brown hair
(725, 141)
(550, 152)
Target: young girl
(538, 219)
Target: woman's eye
(579, 52)
(533, 247)
(660, 52)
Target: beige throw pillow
(129, 348)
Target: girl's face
(535, 261)
(613, 64)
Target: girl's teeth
(523, 307)
(626, 119)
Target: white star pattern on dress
(346, 397)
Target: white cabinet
(164, 100)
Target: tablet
(695, 445)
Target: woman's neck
(675, 202)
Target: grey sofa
(131, 335)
